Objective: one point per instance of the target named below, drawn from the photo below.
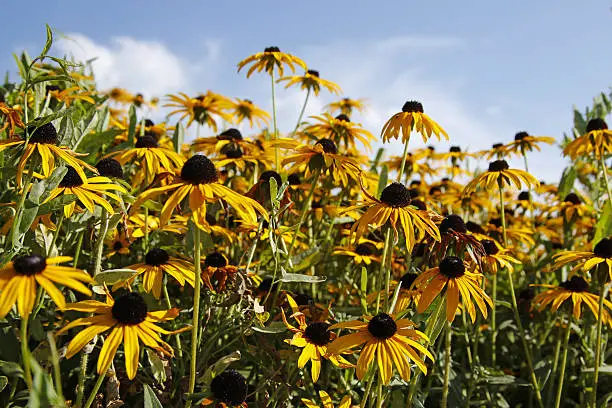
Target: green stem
(95, 389)
(517, 317)
(19, 209)
(381, 272)
(379, 394)
(77, 252)
(447, 364)
(57, 373)
(366, 394)
(57, 232)
(297, 125)
(196, 314)
(598, 345)
(100, 243)
(602, 163)
(146, 230)
(304, 212)
(179, 347)
(82, 377)
(553, 372)
(276, 159)
(25, 352)
(563, 362)
(401, 172)
(494, 321)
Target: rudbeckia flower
(12, 119)
(452, 275)
(230, 139)
(203, 109)
(587, 260)
(245, 109)
(88, 192)
(575, 289)
(216, 266)
(20, 277)
(364, 252)
(313, 338)
(44, 139)
(411, 117)
(129, 322)
(136, 224)
(346, 106)
(391, 342)
(597, 140)
(524, 142)
(270, 60)
(327, 401)
(233, 155)
(198, 180)
(71, 94)
(500, 174)
(157, 262)
(117, 243)
(229, 389)
(496, 257)
(311, 81)
(340, 130)
(395, 207)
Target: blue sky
(483, 69)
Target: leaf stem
(196, 314)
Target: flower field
(215, 259)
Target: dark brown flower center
(453, 222)
(229, 387)
(523, 196)
(157, 257)
(498, 165)
(318, 333)
(489, 246)
(230, 134)
(216, 260)
(199, 170)
(146, 142)
(572, 198)
(117, 246)
(365, 249)
(313, 73)
(71, 179)
(294, 179)
(497, 145)
(328, 146)
(455, 149)
(382, 326)
(303, 299)
(268, 174)
(452, 267)
(520, 136)
(413, 106)
(272, 49)
(232, 151)
(45, 134)
(419, 204)
(575, 284)
(343, 118)
(29, 265)
(596, 124)
(110, 167)
(407, 280)
(474, 227)
(395, 195)
(603, 249)
(130, 309)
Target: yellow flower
(327, 401)
(157, 261)
(20, 277)
(500, 175)
(12, 118)
(216, 266)
(395, 207)
(269, 60)
(524, 142)
(452, 274)
(340, 130)
(346, 106)
(587, 260)
(88, 192)
(313, 338)
(575, 289)
(203, 109)
(411, 117)
(198, 180)
(496, 257)
(177, 225)
(312, 82)
(245, 109)
(364, 252)
(597, 140)
(129, 322)
(391, 342)
(44, 139)
(69, 95)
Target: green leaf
(132, 125)
(273, 328)
(604, 369)
(603, 227)
(112, 276)
(157, 366)
(567, 181)
(150, 399)
(11, 369)
(43, 120)
(178, 137)
(221, 365)
(49, 41)
(383, 179)
(297, 277)
(3, 382)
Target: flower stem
(57, 373)
(100, 243)
(79, 246)
(94, 392)
(401, 172)
(494, 321)
(81, 384)
(57, 232)
(563, 362)
(274, 135)
(366, 394)
(602, 163)
(179, 347)
(146, 230)
(304, 211)
(379, 397)
(196, 313)
(517, 318)
(447, 365)
(553, 372)
(381, 272)
(25, 352)
(297, 125)
(19, 210)
(602, 291)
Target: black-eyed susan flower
(389, 341)
(459, 282)
(365, 251)
(204, 109)
(496, 257)
(20, 278)
(597, 140)
(412, 117)
(245, 109)
(198, 180)
(129, 321)
(576, 289)
(311, 81)
(44, 139)
(233, 155)
(228, 389)
(524, 142)
(138, 222)
(314, 339)
(340, 130)
(226, 142)
(500, 174)
(117, 243)
(218, 270)
(327, 401)
(110, 168)
(12, 119)
(151, 158)
(395, 208)
(587, 260)
(271, 60)
(157, 262)
(88, 192)
(346, 106)
(69, 95)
